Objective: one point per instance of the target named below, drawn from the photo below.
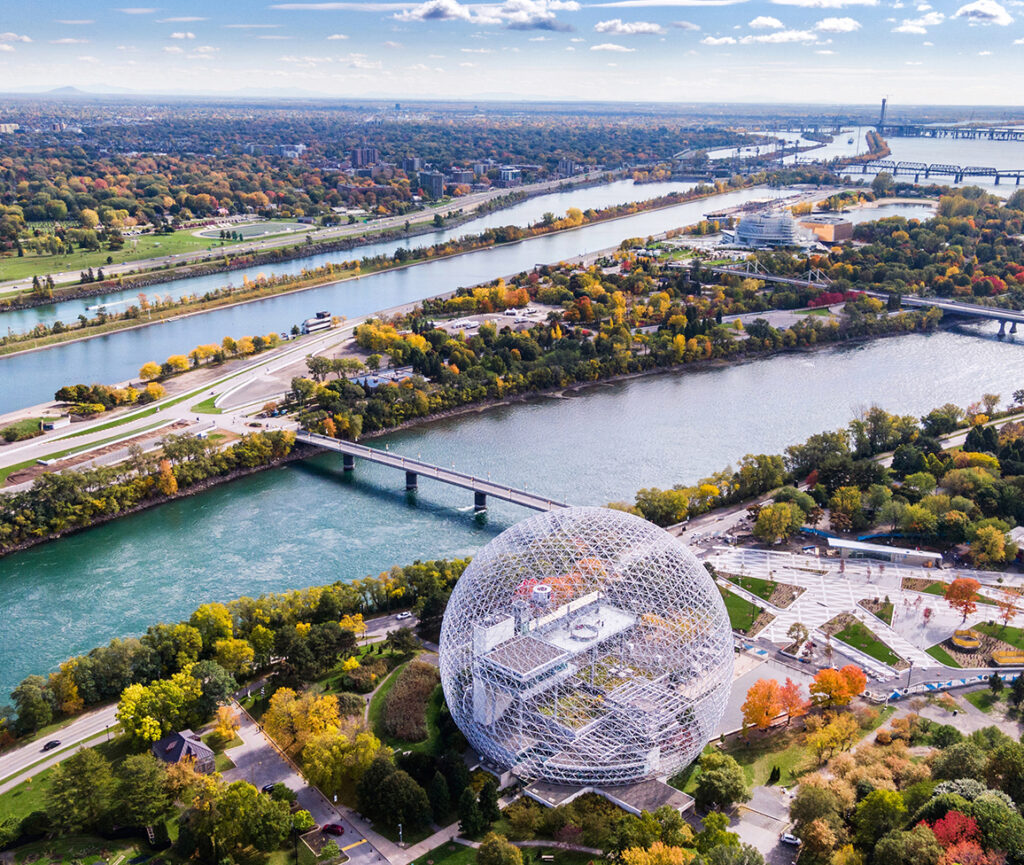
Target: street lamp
(909, 673)
(399, 834)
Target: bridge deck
(428, 470)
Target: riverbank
(485, 240)
(227, 261)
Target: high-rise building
(361, 156)
(432, 183)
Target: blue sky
(852, 51)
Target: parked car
(53, 743)
(268, 788)
(790, 838)
(405, 614)
(333, 829)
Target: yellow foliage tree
(149, 371)
(658, 853)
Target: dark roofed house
(184, 745)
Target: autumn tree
(166, 482)
(778, 521)
(149, 371)
(961, 594)
(792, 701)
(763, 704)
(1007, 604)
(658, 853)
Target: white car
(790, 838)
(404, 615)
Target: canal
(33, 377)
(309, 524)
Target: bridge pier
(1013, 327)
(479, 502)
(1002, 327)
(411, 481)
(348, 462)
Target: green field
(1009, 634)
(742, 613)
(26, 428)
(860, 637)
(764, 589)
(983, 700)
(885, 614)
(942, 656)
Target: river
(33, 377)
(524, 213)
(309, 524)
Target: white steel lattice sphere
(586, 646)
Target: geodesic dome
(586, 646)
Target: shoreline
(303, 451)
(161, 274)
(399, 266)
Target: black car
(268, 788)
(53, 743)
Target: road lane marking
(350, 846)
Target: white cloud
(174, 49)
(336, 36)
(201, 50)
(513, 14)
(685, 25)
(137, 10)
(918, 26)
(359, 61)
(468, 65)
(5, 47)
(618, 27)
(68, 40)
(825, 4)
(476, 50)
(837, 25)
(183, 34)
(347, 6)
(765, 22)
(14, 37)
(984, 12)
(437, 10)
(612, 46)
(718, 40)
(643, 4)
(88, 58)
(780, 37)
(392, 44)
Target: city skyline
(846, 51)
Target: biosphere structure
(586, 646)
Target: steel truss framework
(586, 646)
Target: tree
(404, 800)
(369, 785)
(440, 798)
(963, 760)
(234, 655)
(878, 813)
(728, 854)
(834, 736)
(716, 833)
(989, 547)
(34, 707)
(792, 700)
(143, 797)
(337, 759)
(916, 847)
(721, 781)
(489, 801)
(81, 792)
(471, 821)
(830, 688)
(1005, 770)
(778, 521)
(658, 853)
(960, 595)
(227, 723)
(798, 634)
(763, 704)
(995, 683)
(496, 850)
(166, 482)
(149, 371)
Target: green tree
(33, 704)
(716, 833)
(369, 785)
(721, 781)
(81, 792)
(143, 797)
(879, 812)
(471, 821)
(497, 850)
(489, 809)
(404, 801)
(778, 521)
(916, 847)
(440, 798)
(963, 760)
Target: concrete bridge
(414, 468)
(987, 133)
(923, 170)
(968, 310)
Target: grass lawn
(742, 613)
(206, 406)
(824, 312)
(1009, 634)
(861, 637)
(885, 614)
(983, 700)
(939, 588)
(26, 428)
(942, 656)
(221, 761)
(82, 849)
(755, 585)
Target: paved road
(14, 763)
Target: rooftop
(881, 549)
(523, 654)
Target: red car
(332, 829)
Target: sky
(830, 51)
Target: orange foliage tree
(792, 700)
(960, 595)
(763, 704)
(833, 687)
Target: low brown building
(829, 229)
